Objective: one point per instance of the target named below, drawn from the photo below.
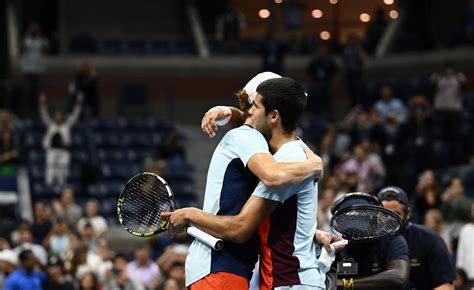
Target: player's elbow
(239, 237)
(399, 279)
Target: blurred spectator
(83, 262)
(58, 238)
(465, 256)
(427, 196)
(366, 172)
(418, 134)
(273, 54)
(56, 278)
(25, 277)
(461, 282)
(72, 246)
(375, 30)
(42, 224)
(321, 71)
(89, 282)
(434, 221)
(455, 207)
(172, 263)
(86, 82)
(15, 234)
(99, 224)
(8, 263)
(362, 127)
(7, 121)
(89, 238)
(390, 107)
(448, 108)
(171, 147)
(171, 284)
(324, 208)
(33, 63)
(354, 57)
(67, 208)
(26, 243)
(117, 278)
(143, 269)
(228, 29)
(327, 151)
(57, 140)
(376, 166)
(9, 153)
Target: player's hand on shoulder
(218, 115)
(316, 161)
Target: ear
(274, 117)
(409, 213)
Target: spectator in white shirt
(99, 224)
(57, 140)
(26, 243)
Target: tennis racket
(144, 198)
(364, 223)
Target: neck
(280, 137)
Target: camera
(347, 267)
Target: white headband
(251, 87)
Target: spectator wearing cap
(382, 264)
(430, 265)
(25, 277)
(8, 263)
(56, 279)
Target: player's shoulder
(292, 151)
(244, 131)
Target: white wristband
(226, 120)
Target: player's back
(229, 184)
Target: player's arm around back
(237, 228)
(274, 174)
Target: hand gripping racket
(141, 202)
(364, 223)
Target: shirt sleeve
(439, 263)
(397, 249)
(280, 194)
(247, 143)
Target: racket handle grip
(205, 238)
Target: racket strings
(144, 200)
(365, 224)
